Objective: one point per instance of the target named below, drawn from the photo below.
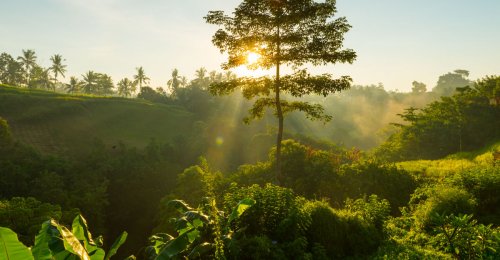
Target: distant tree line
(24, 71)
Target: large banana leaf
(11, 248)
(45, 240)
(80, 229)
(179, 205)
(118, 242)
(201, 250)
(174, 247)
(242, 206)
(71, 243)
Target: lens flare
(219, 141)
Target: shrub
(462, 237)
(440, 200)
(278, 214)
(365, 178)
(484, 184)
(371, 209)
(341, 233)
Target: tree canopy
(282, 33)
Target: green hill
(453, 163)
(60, 123)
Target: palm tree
(201, 80)
(140, 78)
(104, 84)
(214, 76)
(175, 82)
(28, 61)
(57, 67)
(89, 84)
(229, 75)
(184, 81)
(126, 87)
(201, 73)
(40, 78)
(74, 85)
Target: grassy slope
(452, 163)
(58, 123)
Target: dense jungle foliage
(393, 175)
(336, 202)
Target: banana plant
(197, 231)
(11, 248)
(55, 241)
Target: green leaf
(57, 242)
(81, 231)
(71, 243)
(193, 235)
(196, 215)
(197, 223)
(179, 205)
(118, 242)
(65, 255)
(44, 240)
(201, 250)
(97, 254)
(159, 240)
(242, 206)
(174, 247)
(11, 248)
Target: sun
(252, 57)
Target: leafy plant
(11, 248)
(55, 241)
(199, 232)
(464, 238)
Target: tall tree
(28, 61)
(201, 79)
(229, 75)
(448, 83)
(418, 87)
(104, 84)
(281, 33)
(489, 87)
(57, 67)
(175, 82)
(89, 84)
(11, 71)
(140, 78)
(74, 85)
(126, 87)
(40, 78)
(215, 76)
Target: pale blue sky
(397, 41)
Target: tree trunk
(279, 174)
(279, 112)
(55, 81)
